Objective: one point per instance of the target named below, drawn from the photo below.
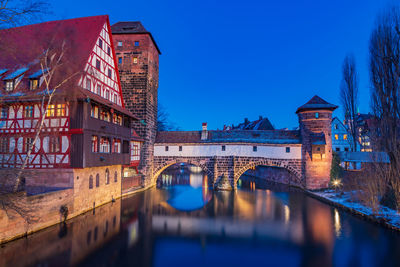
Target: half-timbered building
(85, 125)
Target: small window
(95, 144)
(104, 145)
(316, 115)
(51, 110)
(318, 149)
(97, 180)
(336, 137)
(90, 182)
(4, 112)
(166, 148)
(336, 126)
(345, 137)
(337, 149)
(254, 148)
(116, 145)
(120, 44)
(109, 73)
(54, 144)
(135, 60)
(223, 148)
(61, 110)
(125, 147)
(346, 149)
(109, 51)
(101, 43)
(136, 43)
(88, 84)
(33, 84)
(28, 112)
(3, 145)
(107, 94)
(94, 112)
(97, 64)
(120, 60)
(287, 149)
(115, 177)
(107, 176)
(180, 148)
(28, 144)
(9, 85)
(98, 89)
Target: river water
(183, 223)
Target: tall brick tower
(315, 118)
(137, 57)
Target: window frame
(29, 111)
(33, 84)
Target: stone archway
(291, 167)
(159, 167)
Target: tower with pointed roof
(315, 118)
(137, 58)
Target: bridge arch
(159, 168)
(290, 167)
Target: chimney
(246, 121)
(204, 132)
(260, 117)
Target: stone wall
(139, 82)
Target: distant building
(260, 124)
(341, 138)
(364, 124)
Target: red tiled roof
(24, 46)
(316, 103)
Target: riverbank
(386, 217)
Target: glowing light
(287, 214)
(338, 226)
(336, 183)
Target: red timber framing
(101, 76)
(18, 126)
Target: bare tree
(163, 121)
(349, 97)
(384, 64)
(16, 12)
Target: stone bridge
(304, 154)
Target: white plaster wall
(276, 152)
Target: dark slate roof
(260, 124)
(234, 136)
(132, 27)
(316, 103)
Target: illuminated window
(50, 110)
(101, 43)
(223, 148)
(28, 112)
(3, 145)
(9, 85)
(54, 144)
(61, 108)
(94, 112)
(105, 115)
(4, 112)
(33, 84)
(95, 144)
(336, 137)
(117, 119)
(104, 145)
(136, 43)
(287, 149)
(345, 137)
(120, 44)
(135, 60)
(28, 144)
(107, 176)
(98, 64)
(116, 146)
(254, 148)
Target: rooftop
(316, 103)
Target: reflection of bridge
(305, 154)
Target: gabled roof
(316, 103)
(132, 27)
(24, 47)
(260, 124)
(234, 136)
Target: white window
(104, 145)
(9, 85)
(119, 43)
(4, 112)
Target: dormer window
(316, 115)
(101, 43)
(33, 84)
(9, 85)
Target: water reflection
(187, 224)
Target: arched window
(97, 180)
(115, 176)
(107, 176)
(90, 182)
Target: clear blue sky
(226, 60)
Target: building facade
(341, 138)
(137, 56)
